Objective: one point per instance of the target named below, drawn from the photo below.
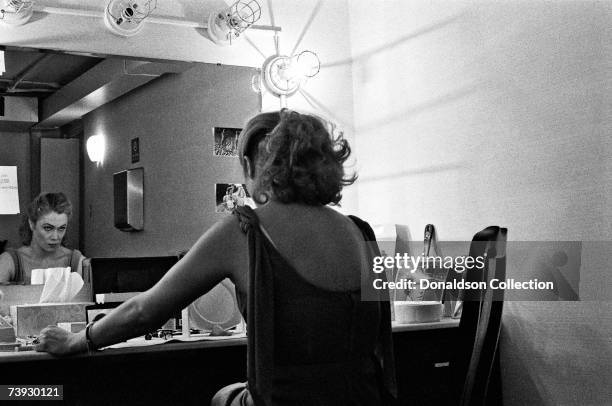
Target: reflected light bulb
(308, 64)
(96, 147)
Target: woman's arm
(215, 256)
(7, 268)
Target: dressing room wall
(486, 113)
(173, 118)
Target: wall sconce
(125, 18)
(16, 12)
(228, 24)
(283, 75)
(96, 148)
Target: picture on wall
(225, 141)
(231, 195)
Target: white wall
(469, 114)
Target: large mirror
(169, 108)
(162, 90)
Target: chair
(480, 323)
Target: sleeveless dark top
(308, 345)
(20, 270)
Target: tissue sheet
(61, 285)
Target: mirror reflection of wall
(172, 117)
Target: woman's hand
(58, 341)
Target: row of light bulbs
(281, 75)
(126, 17)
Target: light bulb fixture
(16, 12)
(125, 17)
(96, 148)
(283, 75)
(226, 25)
(2, 65)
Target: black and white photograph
(306, 202)
(226, 141)
(229, 196)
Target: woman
(42, 231)
(298, 270)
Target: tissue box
(73, 327)
(7, 334)
(24, 294)
(30, 319)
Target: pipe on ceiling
(156, 20)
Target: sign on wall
(9, 193)
(135, 150)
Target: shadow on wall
(402, 116)
(417, 171)
(547, 261)
(550, 358)
(399, 41)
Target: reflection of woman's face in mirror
(49, 231)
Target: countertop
(24, 356)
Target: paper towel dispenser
(129, 199)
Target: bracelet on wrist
(90, 345)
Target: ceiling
(40, 73)
(68, 86)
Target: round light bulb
(96, 147)
(308, 64)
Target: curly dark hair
(43, 204)
(296, 158)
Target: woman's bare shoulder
(223, 247)
(7, 267)
(227, 225)
(225, 234)
(62, 253)
(65, 251)
(4, 257)
(24, 250)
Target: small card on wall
(231, 195)
(9, 193)
(225, 141)
(135, 150)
